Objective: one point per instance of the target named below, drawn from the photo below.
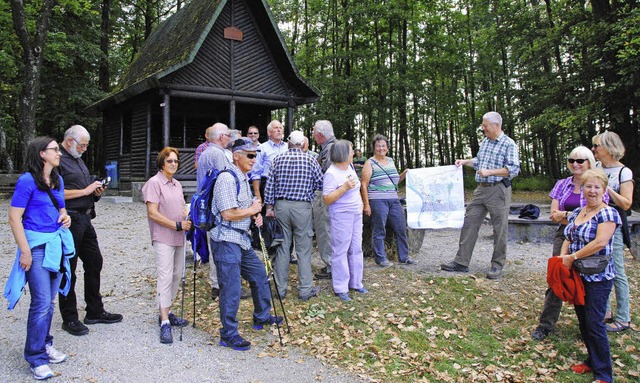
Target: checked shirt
(294, 176)
(495, 154)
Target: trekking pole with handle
(270, 276)
(184, 272)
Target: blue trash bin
(112, 172)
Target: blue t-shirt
(40, 214)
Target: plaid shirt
(496, 154)
(294, 176)
(225, 197)
(201, 148)
(563, 190)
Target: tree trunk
(105, 29)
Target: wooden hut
(212, 61)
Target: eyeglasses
(226, 134)
(57, 149)
(252, 133)
(578, 160)
(171, 161)
(596, 146)
(82, 146)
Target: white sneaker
(42, 372)
(55, 356)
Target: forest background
(421, 72)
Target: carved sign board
(233, 33)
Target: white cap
(296, 138)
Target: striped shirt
(295, 176)
(384, 180)
(579, 236)
(496, 154)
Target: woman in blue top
(590, 232)
(32, 212)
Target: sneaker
(453, 266)
(581, 368)
(314, 293)
(362, 290)
(272, 320)
(165, 334)
(245, 293)
(384, 264)
(323, 274)
(215, 293)
(540, 333)
(42, 372)
(75, 327)
(236, 343)
(174, 320)
(494, 273)
(408, 261)
(55, 356)
(103, 317)
(344, 296)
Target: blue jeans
(43, 287)
(383, 210)
(592, 328)
(231, 263)
(620, 282)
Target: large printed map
(435, 197)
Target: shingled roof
(177, 40)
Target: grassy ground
(415, 327)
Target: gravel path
(130, 351)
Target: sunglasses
(579, 160)
(252, 133)
(250, 155)
(171, 161)
(596, 146)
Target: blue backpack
(200, 211)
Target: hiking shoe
(344, 296)
(174, 320)
(494, 273)
(453, 266)
(236, 343)
(215, 293)
(323, 274)
(75, 327)
(540, 333)
(272, 320)
(42, 372)
(165, 334)
(362, 290)
(103, 317)
(55, 356)
(314, 293)
(384, 264)
(408, 261)
(245, 293)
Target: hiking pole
(195, 247)
(269, 269)
(184, 272)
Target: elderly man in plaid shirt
(231, 245)
(497, 162)
(293, 180)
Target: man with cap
(293, 180)
(232, 252)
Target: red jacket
(565, 283)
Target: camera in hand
(105, 181)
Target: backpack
(200, 210)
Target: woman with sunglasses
(590, 231)
(609, 149)
(167, 223)
(566, 196)
(39, 222)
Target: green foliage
(533, 183)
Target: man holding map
(497, 162)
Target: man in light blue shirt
(269, 150)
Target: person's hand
(186, 225)
(460, 162)
(94, 188)
(367, 210)
(567, 260)
(26, 260)
(484, 172)
(256, 206)
(557, 216)
(258, 219)
(65, 219)
(270, 213)
(350, 183)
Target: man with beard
(81, 191)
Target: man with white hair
(295, 176)
(268, 151)
(81, 191)
(497, 162)
(323, 134)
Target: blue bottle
(202, 215)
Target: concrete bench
(542, 230)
